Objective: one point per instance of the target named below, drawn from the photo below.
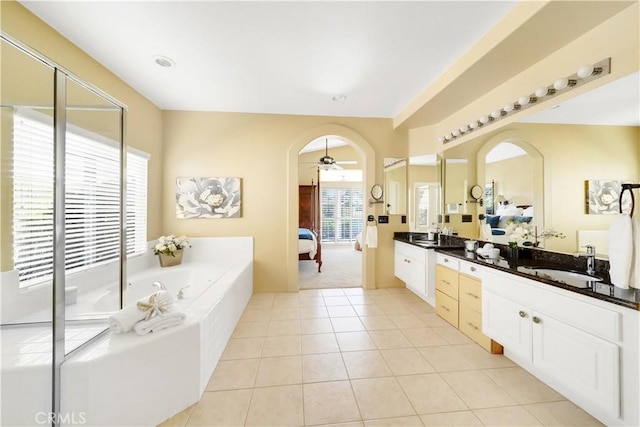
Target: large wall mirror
(395, 186)
(423, 192)
(552, 160)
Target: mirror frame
(377, 192)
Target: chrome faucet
(159, 285)
(591, 259)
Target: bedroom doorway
(334, 169)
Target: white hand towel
(634, 282)
(159, 322)
(371, 237)
(125, 319)
(621, 251)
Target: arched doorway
(367, 154)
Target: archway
(367, 154)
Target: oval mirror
(476, 192)
(376, 192)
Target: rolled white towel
(125, 319)
(635, 267)
(621, 251)
(371, 236)
(159, 322)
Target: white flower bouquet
(522, 233)
(169, 245)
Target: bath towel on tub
(159, 322)
(125, 319)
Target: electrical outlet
(383, 219)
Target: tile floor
(366, 358)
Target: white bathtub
(132, 380)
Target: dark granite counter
(535, 258)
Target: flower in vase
(169, 245)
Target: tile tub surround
(435, 376)
(130, 380)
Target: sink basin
(572, 278)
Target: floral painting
(603, 196)
(208, 197)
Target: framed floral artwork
(218, 197)
(603, 197)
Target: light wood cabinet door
(470, 293)
(447, 308)
(447, 281)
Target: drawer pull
(472, 269)
(446, 260)
(445, 307)
(536, 319)
(473, 326)
(522, 314)
(473, 295)
(444, 281)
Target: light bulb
(586, 71)
(484, 119)
(563, 83)
(473, 125)
(496, 113)
(464, 128)
(508, 107)
(544, 91)
(441, 139)
(456, 133)
(448, 137)
(524, 100)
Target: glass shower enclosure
(62, 233)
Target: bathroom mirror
(591, 137)
(395, 185)
(476, 192)
(377, 192)
(424, 192)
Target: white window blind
(342, 213)
(92, 210)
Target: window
(341, 214)
(92, 191)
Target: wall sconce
(584, 74)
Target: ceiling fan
(327, 162)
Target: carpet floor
(341, 268)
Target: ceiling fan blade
(346, 162)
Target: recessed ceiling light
(164, 61)
(339, 98)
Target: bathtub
(131, 380)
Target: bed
(309, 246)
(504, 216)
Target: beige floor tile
(179, 419)
(377, 323)
(406, 361)
(221, 408)
(341, 311)
(381, 398)
(413, 421)
(315, 326)
(255, 315)
(393, 308)
(407, 320)
(360, 300)
(288, 345)
(346, 324)
(279, 371)
(562, 413)
(276, 406)
(429, 393)
(312, 301)
(462, 418)
(323, 367)
(390, 339)
(319, 343)
(304, 293)
(233, 374)
(260, 304)
(336, 300)
(333, 293)
(423, 337)
(432, 319)
(355, 341)
(353, 291)
(522, 386)
(250, 329)
(479, 358)
(368, 310)
(451, 335)
(313, 312)
(329, 402)
(243, 348)
(284, 314)
(507, 416)
(351, 424)
(283, 327)
(420, 308)
(366, 364)
(477, 390)
(463, 357)
(285, 304)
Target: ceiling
(276, 57)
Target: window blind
(92, 192)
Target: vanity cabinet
(415, 267)
(573, 345)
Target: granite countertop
(522, 267)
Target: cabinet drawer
(447, 308)
(471, 326)
(469, 269)
(470, 293)
(448, 261)
(447, 281)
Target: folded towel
(125, 319)
(371, 236)
(161, 321)
(634, 282)
(621, 251)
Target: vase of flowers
(170, 250)
(525, 236)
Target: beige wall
(254, 147)
(513, 179)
